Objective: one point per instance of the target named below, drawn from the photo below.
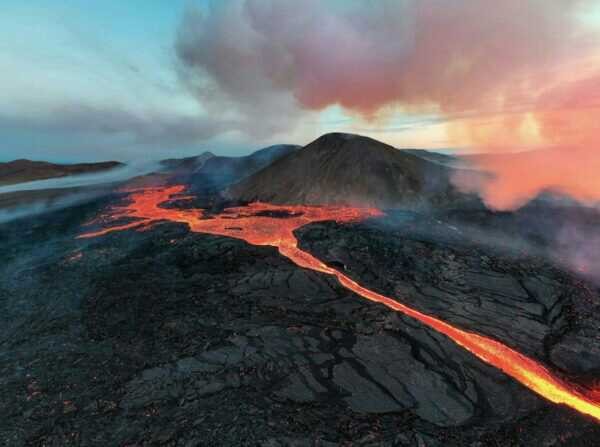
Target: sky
(85, 81)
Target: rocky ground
(166, 337)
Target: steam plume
(67, 191)
(511, 63)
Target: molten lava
(263, 224)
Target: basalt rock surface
(166, 337)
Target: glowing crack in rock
(265, 224)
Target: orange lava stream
(260, 224)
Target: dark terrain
(172, 338)
(167, 337)
(19, 171)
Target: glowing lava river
(264, 224)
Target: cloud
(72, 93)
(222, 62)
(88, 131)
(366, 55)
(505, 75)
(146, 126)
(500, 67)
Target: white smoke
(69, 191)
(81, 180)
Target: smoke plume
(507, 75)
(36, 197)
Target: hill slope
(186, 164)
(219, 172)
(19, 171)
(349, 169)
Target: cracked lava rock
(171, 337)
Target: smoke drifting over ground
(55, 202)
(41, 196)
(578, 248)
(510, 65)
(77, 181)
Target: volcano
(290, 320)
(346, 169)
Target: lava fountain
(263, 224)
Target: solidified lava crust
(260, 224)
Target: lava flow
(263, 224)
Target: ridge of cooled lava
(261, 224)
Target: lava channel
(256, 225)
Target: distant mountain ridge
(188, 163)
(219, 172)
(436, 157)
(23, 170)
(349, 169)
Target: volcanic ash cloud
(507, 75)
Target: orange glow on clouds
(564, 131)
